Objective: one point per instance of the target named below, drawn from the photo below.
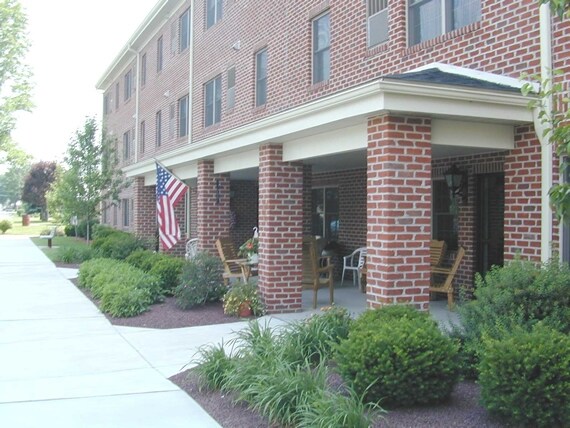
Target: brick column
(399, 211)
(280, 230)
(213, 192)
(144, 209)
(307, 199)
(193, 195)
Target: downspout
(546, 146)
(137, 92)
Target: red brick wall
(280, 230)
(399, 210)
(244, 208)
(144, 223)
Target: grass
(34, 229)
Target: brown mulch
(462, 410)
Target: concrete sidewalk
(62, 364)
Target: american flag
(169, 190)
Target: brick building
(339, 118)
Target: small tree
(89, 177)
(37, 183)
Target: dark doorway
(489, 235)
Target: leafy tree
(14, 74)
(37, 183)
(17, 165)
(90, 176)
(559, 7)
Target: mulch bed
(462, 410)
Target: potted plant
(243, 300)
(249, 249)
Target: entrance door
(490, 221)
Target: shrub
(118, 245)
(313, 339)
(89, 269)
(167, 269)
(518, 295)
(102, 231)
(200, 282)
(400, 358)
(82, 228)
(69, 230)
(74, 255)
(525, 377)
(5, 225)
(243, 294)
(143, 259)
(119, 300)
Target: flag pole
(170, 171)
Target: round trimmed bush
(143, 259)
(525, 377)
(200, 282)
(168, 269)
(398, 357)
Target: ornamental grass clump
(398, 357)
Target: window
(261, 78)
(431, 18)
(143, 70)
(231, 93)
(106, 105)
(126, 205)
(184, 25)
(444, 225)
(128, 84)
(325, 212)
(213, 12)
(321, 48)
(142, 136)
(213, 102)
(115, 216)
(126, 145)
(183, 116)
(173, 38)
(158, 128)
(159, 55)
(171, 120)
(377, 22)
(117, 94)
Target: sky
(72, 44)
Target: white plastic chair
(191, 248)
(354, 262)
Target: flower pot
(245, 309)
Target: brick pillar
(193, 195)
(280, 230)
(399, 211)
(144, 209)
(213, 193)
(307, 199)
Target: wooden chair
(317, 270)
(437, 252)
(446, 274)
(233, 266)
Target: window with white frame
(213, 12)
(377, 22)
(213, 101)
(158, 128)
(183, 116)
(261, 78)
(231, 92)
(428, 19)
(184, 25)
(159, 54)
(143, 70)
(126, 145)
(142, 136)
(128, 85)
(321, 48)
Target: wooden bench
(49, 236)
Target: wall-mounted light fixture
(455, 179)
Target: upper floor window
(106, 105)
(117, 95)
(213, 101)
(231, 92)
(128, 84)
(183, 116)
(143, 70)
(321, 48)
(159, 54)
(377, 22)
(213, 12)
(184, 25)
(158, 128)
(261, 78)
(126, 145)
(171, 120)
(431, 18)
(142, 136)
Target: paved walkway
(62, 364)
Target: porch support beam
(399, 210)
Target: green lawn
(60, 244)
(34, 229)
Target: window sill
(316, 87)
(444, 37)
(259, 109)
(376, 49)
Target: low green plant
(200, 281)
(168, 270)
(5, 225)
(143, 259)
(242, 294)
(118, 245)
(525, 377)
(213, 366)
(399, 358)
(124, 301)
(74, 255)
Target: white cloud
(73, 42)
